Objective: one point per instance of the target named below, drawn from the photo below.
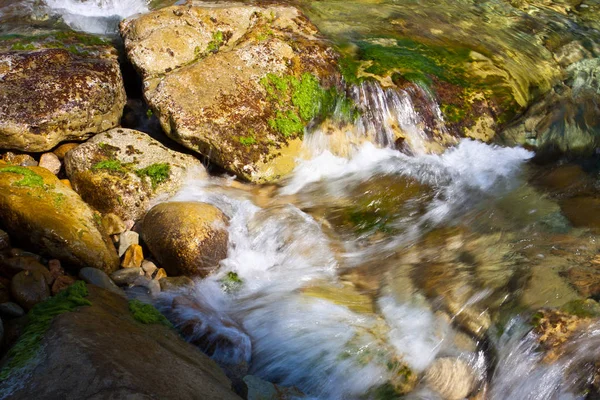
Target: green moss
(582, 308)
(215, 44)
(147, 314)
(30, 178)
(231, 282)
(287, 123)
(149, 113)
(247, 140)
(350, 68)
(157, 173)
(453, 113)
(109, 165)
(74, 42)
(39, 320)
(21, 46)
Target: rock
(152, 285)
(61, 151)
(24, 160)
(12, 266)
(54, 94)
(67, 183)
(11, 310)
(133, 257)
(167, 368)
(1, 331)
(186, 238)
(582, 211)
(122, 171)
(149, 268)
(160, 274)
(99, 278)
(4, 240)
(546, 288)
(29, 288)
(127, 239)
(258, 389)
(126, 276)
(39, 210)
(55, 269)
(129, 224)
(61, 283)
(4, 292)
(452, 378)
(51, 162)
(113, 225)
(173, 283)
(249, 120)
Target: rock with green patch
(186, 238)
(236, 83)
(121, 171)
(57, 87)
(36, 208)
(113, 354)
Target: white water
(95, 16)
(326, 349)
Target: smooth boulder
(236, 83)
(186, 238)
(121, 171)
(57, 87)
(36, 208)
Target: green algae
(215, 44)
(247, 140)
(302, 100)
(158, 173)
(30, 178)
(147, 314)
(39, 319)
(231, 282)
(109, 165)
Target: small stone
(67, 183)
(113, 224)
(126, 239)
(51, 162)
(126, 276)
(452, 378)
(173, 283)
(4, 240)
(29, 288)
(55, 268)
(14, 265)
(133, 257)
(129, 224)
(152, 285)
(62, 150)
(24, 160)
(160, 274)
(100, 279)
(61, 283)
(149, 268)
(11, 310)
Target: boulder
(29, 288)
(186, 238)
(236, 83)
(11, 310)
(103, 351)
(99, 278)
(57, 87)
(36, 208)
(122, 171)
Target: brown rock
(113, 225)
(160, 274)
(149, 268)
(582, 211)
(14, 265)
(67, 183)
(4, 240)
(51, 162)
(62, 150)
(452, 378)
(133, 257)
(24, 160)
(186, 238)
(55, 268)
(29, 288)
(172, 283)
(61, 283)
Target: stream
(375, 261)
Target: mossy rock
(38, 209)
(57, 87)
(121, 171)
(236, 83)
(186, 238)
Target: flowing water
(393, 246)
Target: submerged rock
(186, 238)
(38, 209)
(236, 83)
(149, 360)
(452, 378)
(57, 87)
(122, 171)
(258, 389)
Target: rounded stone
(452, 378)
(29, 288)
(186, 238)
(51, 162)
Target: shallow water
(394, 244)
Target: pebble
(452, 378)
(133, 257)
(126, 239)
(152, 285)
(62, 150)
(61, 283)
(149, 268)
(51, 162)
(160, 274)
(11, 310)
(100, 279)
(126, 276)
